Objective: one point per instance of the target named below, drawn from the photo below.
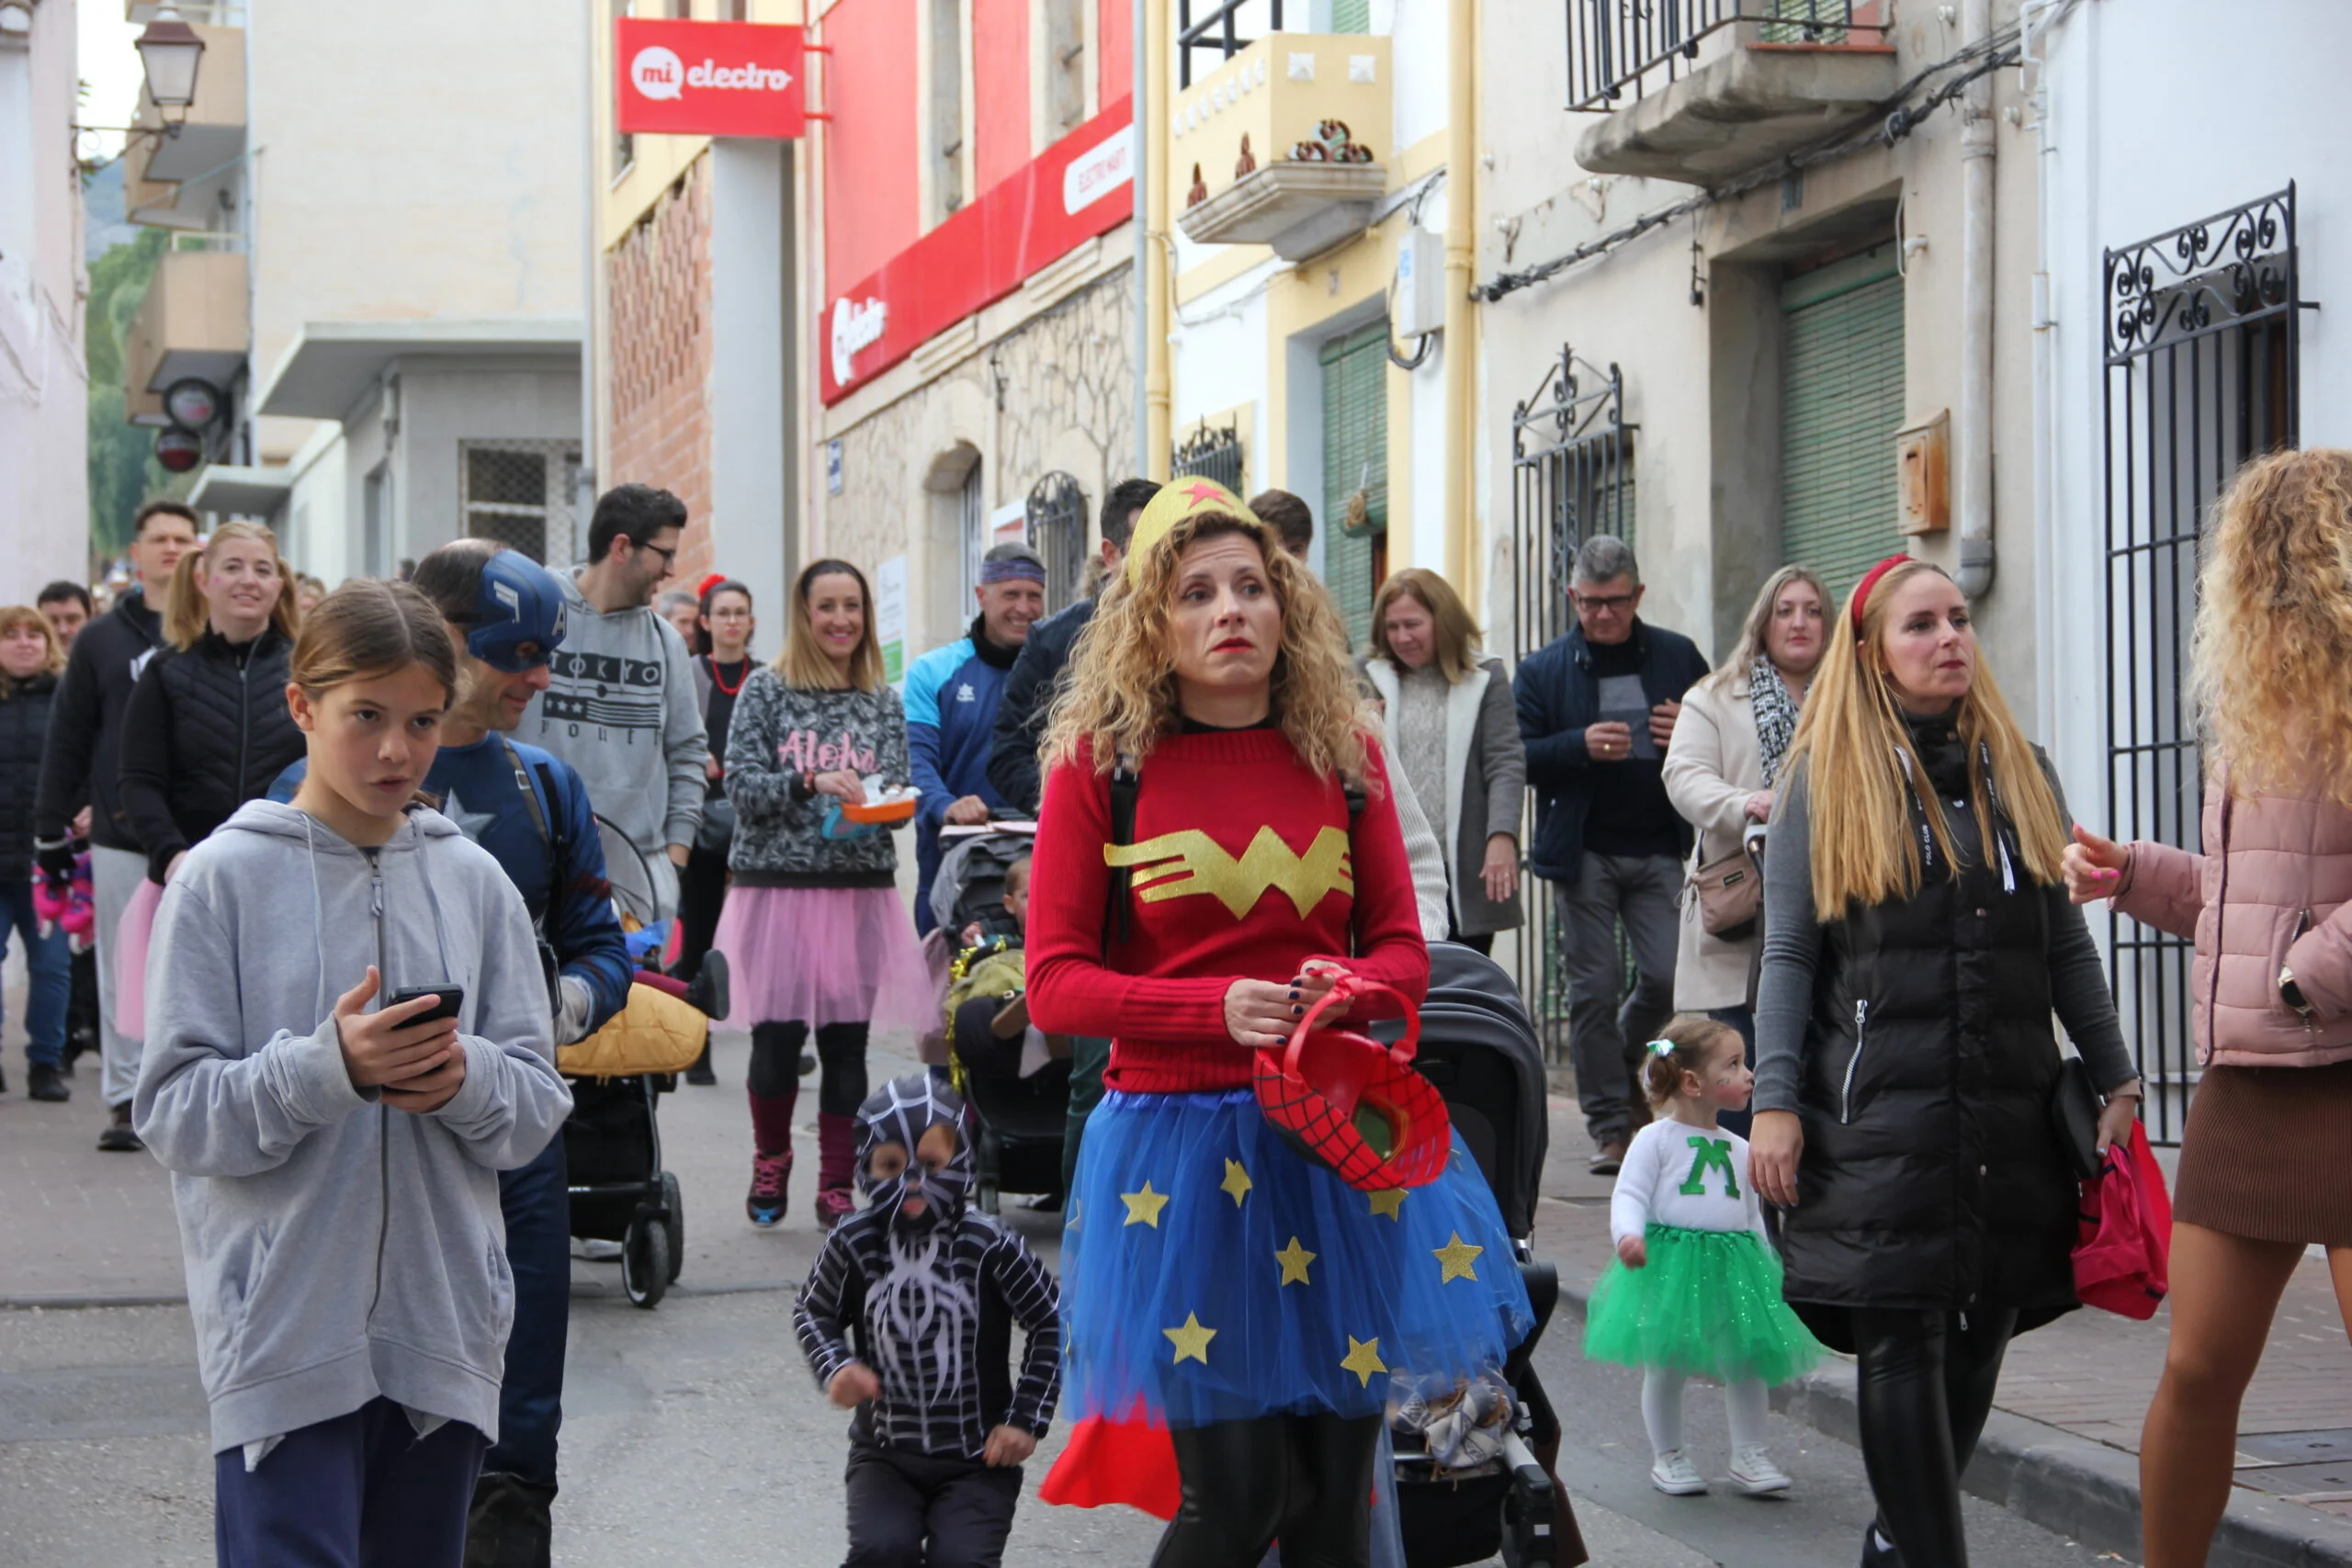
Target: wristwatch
(2292, 994)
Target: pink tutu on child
(131, 934)
(820, 955)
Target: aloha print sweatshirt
(780, 739)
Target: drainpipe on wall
(1976, 149)
(2036, 14)
(583, 501)
(1151, 109)
(1461, 347)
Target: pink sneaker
(834, 1204)
(765, 1203)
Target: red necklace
(720, 681)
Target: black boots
(511, 1525)
(45, 1081)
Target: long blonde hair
(1121, 700)
(186, 610)
(1456, 634)
(805, 664)
(1853, 740)
(16, 616)
(1755, 633)
(2274, 626)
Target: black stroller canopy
(1480, 1049)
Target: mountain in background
(103, 226)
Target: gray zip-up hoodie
(622, 709)
(338, 1249)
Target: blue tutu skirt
(1705, 1301)
(1211, 1273)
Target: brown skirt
(2265, 1154)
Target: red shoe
(766, 1202)
(834, 1204)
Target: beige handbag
(1731, 894)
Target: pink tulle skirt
(824, 955)
(131, 936)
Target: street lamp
(170, 51)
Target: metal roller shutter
(1841, 406)
(1355, 453)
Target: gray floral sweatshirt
(780, 737)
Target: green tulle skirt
(1706, 1302)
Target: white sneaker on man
(1674, 1474)
(1753, 1471)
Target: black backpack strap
(530, 796)
(1126, 785)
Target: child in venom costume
(930, 1289)
(1229, 1297)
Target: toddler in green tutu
(1696, 1286)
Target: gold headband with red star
(1178, 499)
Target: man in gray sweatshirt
(622, 708)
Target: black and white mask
(900, 1113)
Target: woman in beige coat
(1721, 770)
(2269, 903)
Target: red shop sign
(709, 78)
(1080, 187)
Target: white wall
(752, 491)
(44, 469)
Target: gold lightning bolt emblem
(1179, 864)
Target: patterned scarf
(1776, 715)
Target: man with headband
(951, 698)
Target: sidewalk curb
(76, 1301)
(2084, 1489)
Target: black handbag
(2074, 1118)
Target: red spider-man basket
(1351, 1102)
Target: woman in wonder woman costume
(1228, 1296)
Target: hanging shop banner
(1081, 186)
(708, 78)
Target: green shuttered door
(1352, 15)
(1355, 453)
(1842, 405)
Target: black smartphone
(452, 999)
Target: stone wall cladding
(1067, 394)
(659, 349)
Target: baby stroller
(1016, 1138)
(1479, 1048)
(612, 1142)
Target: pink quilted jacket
(2274, 887)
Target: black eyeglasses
(668, 557)
(1612, 604)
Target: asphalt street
(693, 1433)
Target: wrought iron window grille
(1212, 453)
(1614, 45)
(2202, 340)
(1055, 524)
(1217, 32)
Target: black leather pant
(1307, 1479)
(1925, 1385)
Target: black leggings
(1925, 1385)
(1307, 1479)
(840, 1051)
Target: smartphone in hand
(452, 999)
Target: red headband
(1870, 580)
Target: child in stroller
(1014, 1078)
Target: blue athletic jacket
(559, 873)
(950, 701)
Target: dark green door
(1841, 405)
(1355, 457)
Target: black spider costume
(930, 1300)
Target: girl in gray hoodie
(335, 1168)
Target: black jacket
(208, 730)
(1029, 692)
(1558, 696)
(24, 730)
(1931, 1176)
(82, 758)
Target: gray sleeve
(1793, 947)
(2078, 989)
(1506, 754)
(685, 744)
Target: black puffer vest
(24, 727)
(1931, 1178)
(229, 735)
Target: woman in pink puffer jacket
(2269, 902)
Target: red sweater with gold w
(1243, 868)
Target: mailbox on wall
(1923, 476)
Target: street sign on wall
(708, 78)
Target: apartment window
(947, 139)
(516, 493)
(1062, 74)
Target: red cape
(1106, 1461)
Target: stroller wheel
(677, 1200)
(645, 1261)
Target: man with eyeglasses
(620, 706)
(1597, 707)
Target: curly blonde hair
(1122, 699)
(2274, 626)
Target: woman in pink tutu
(818, 938)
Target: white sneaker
(1753, 1471)
(1675, 1475)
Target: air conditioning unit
(1420, 284)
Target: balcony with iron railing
(1702, 91)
